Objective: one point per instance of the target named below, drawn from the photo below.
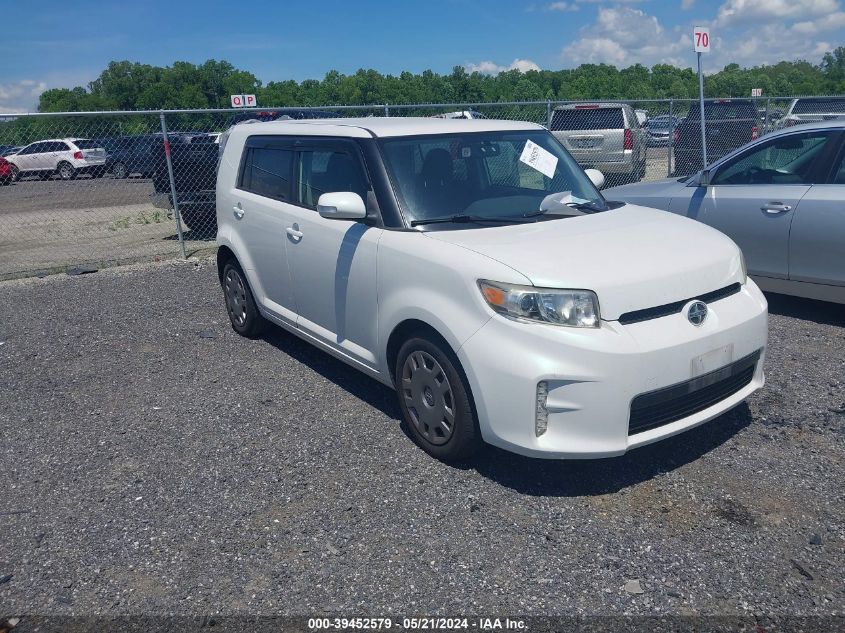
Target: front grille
(670, 404)
(673, 308)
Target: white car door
(27, 158)
(333, 262)
(260, 205)
(753, 197)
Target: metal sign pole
(701, 105)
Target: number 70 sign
(701, 39)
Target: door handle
(238, 211)
(775, 207)
(294, 233)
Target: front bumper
(593, 375)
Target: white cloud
(831, 22)
(623, 36)
(733, 12)
(686, 5)
(21, 95)
(491, 68)
(561, 6)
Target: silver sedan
(780, 198)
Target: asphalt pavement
(155, 462)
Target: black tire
(16, 174)
(202, 222)
(119, 170)
(243, 314)
(66, 171)
(435, 400)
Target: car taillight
(755, 132)
(628, 143)
(77, 155)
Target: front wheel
(16, 174)
(244, 316)
(435, 401)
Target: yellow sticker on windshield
(540, 159)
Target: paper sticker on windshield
(540, 159)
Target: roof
(388, 126)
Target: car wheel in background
(434, 399)
(66, 171)
(244, 316)
(119, 170)
(201, 222)
(16, 174)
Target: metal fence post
(548, 114)
(174, 198)
(671, 138)
(386, 110)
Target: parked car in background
(811, 109)
(6, 173)
(461, 114)
(68, 158)
(474, 267)
(730, 123)
(282, 113)
(780, 199)
(659, 129)
(603, 136)
(642, 116)
(5, 150)
(127, 155)
(193, 157)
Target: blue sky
(66, 44)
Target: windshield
(484, 175)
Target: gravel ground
(154, 462)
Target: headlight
(574, 308)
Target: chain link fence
(104, 188)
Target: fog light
(541, 414)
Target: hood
(632, 257)
(665, 187)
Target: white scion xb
(475, 268)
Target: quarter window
(266, 172)
(788, 160)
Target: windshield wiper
(463, 219)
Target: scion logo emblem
(697, 313)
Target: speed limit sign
(701, 39)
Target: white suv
(66, 157)
(474, 267)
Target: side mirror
(596, 177)
(342, 205)
(704, 178)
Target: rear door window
(819, 106)
(588, 119)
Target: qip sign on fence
(244, 101)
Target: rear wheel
(119, 170)
(66, 171)
(201, 222)
(434, 400)
(244, 316)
